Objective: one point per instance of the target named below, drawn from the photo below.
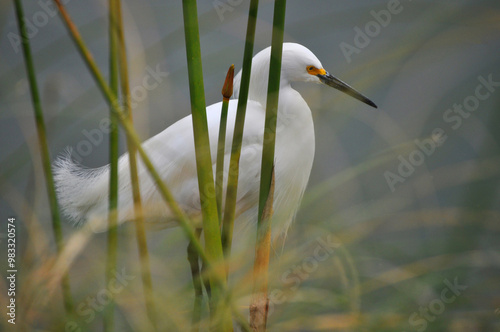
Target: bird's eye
(310, 68)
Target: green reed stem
(140, 231)
(113, 174)
(44, 150)
(200, 128)
(234, 165)
(272, 104)
(211, 229)
(227, 92)
(263, 245)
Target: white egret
(83, 192)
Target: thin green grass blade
(44, 150)
(234, 165)
(147, 282)
(112, 236)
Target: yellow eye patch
(315, 71)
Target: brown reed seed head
(227, 89)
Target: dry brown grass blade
(260, 302)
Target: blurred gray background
(443, 218)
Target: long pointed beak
(334, 82)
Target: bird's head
(300, 64)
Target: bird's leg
(193, 259)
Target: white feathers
(83, 192)
(79, 189)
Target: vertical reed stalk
(113, 173)
(261, 264)
(44, 151)
(200, 128)
(272, 104)
(227, 92)
(206, 183)
(234, 165)
(136, 193)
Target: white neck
(259, 79)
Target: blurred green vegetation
(358, 257)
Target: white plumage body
(83, 192)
